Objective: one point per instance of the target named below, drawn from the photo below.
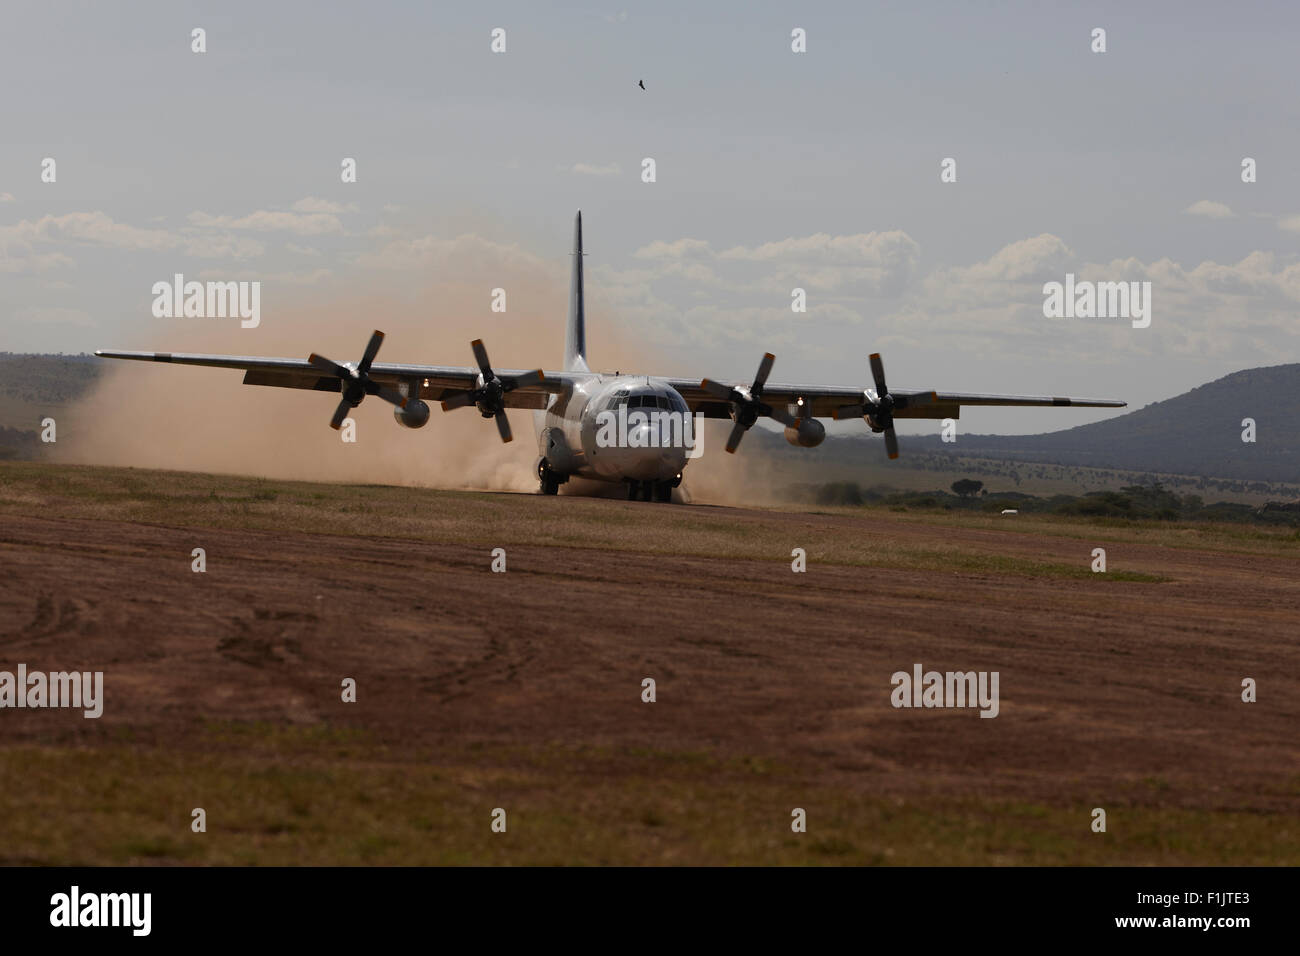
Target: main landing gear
(550, 480)
(658, 490)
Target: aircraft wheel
(550, 481)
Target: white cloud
(40, 262)
(268, 220)
(674, 250)
(283, 278)
(312, 204)
(1209, 209)
(590, 169)
(95, 228)
(467, 255)
(695, 295)
(222, 245)
(98, 229)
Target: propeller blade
(717, 389)
(764, 369)
(781, 414)
(328, 365)
(457, 400)
(849, 411)
(481, 356)
(340, 413)
(737, 433)
(891, 442)
(878, 373)
(503, 426)
(911, 401)
(372, 349)
(388, 394)
(523, 381)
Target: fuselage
(618, 428)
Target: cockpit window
(663, 402)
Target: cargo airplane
(571, 405)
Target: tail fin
(575, 339)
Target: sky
(774, 170)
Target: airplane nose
(640, 459)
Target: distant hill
(32, 386)
(1196, 433)
(47, 379)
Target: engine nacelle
(414, 415)
(808, 434)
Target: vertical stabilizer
(575, 339)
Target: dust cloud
(188, 418)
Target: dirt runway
(1101, 683)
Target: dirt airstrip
(1114, 692)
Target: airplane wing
(437, 382)
(825, 401)
(404, 386)
(793, 405)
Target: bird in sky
(641, 83)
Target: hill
(1196, 433)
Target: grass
(195, 500)
(290, 800)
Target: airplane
(573, 406)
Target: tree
(967, 487)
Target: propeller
(356, 380)
(880, 413)
(749, 402)
(489, 394)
